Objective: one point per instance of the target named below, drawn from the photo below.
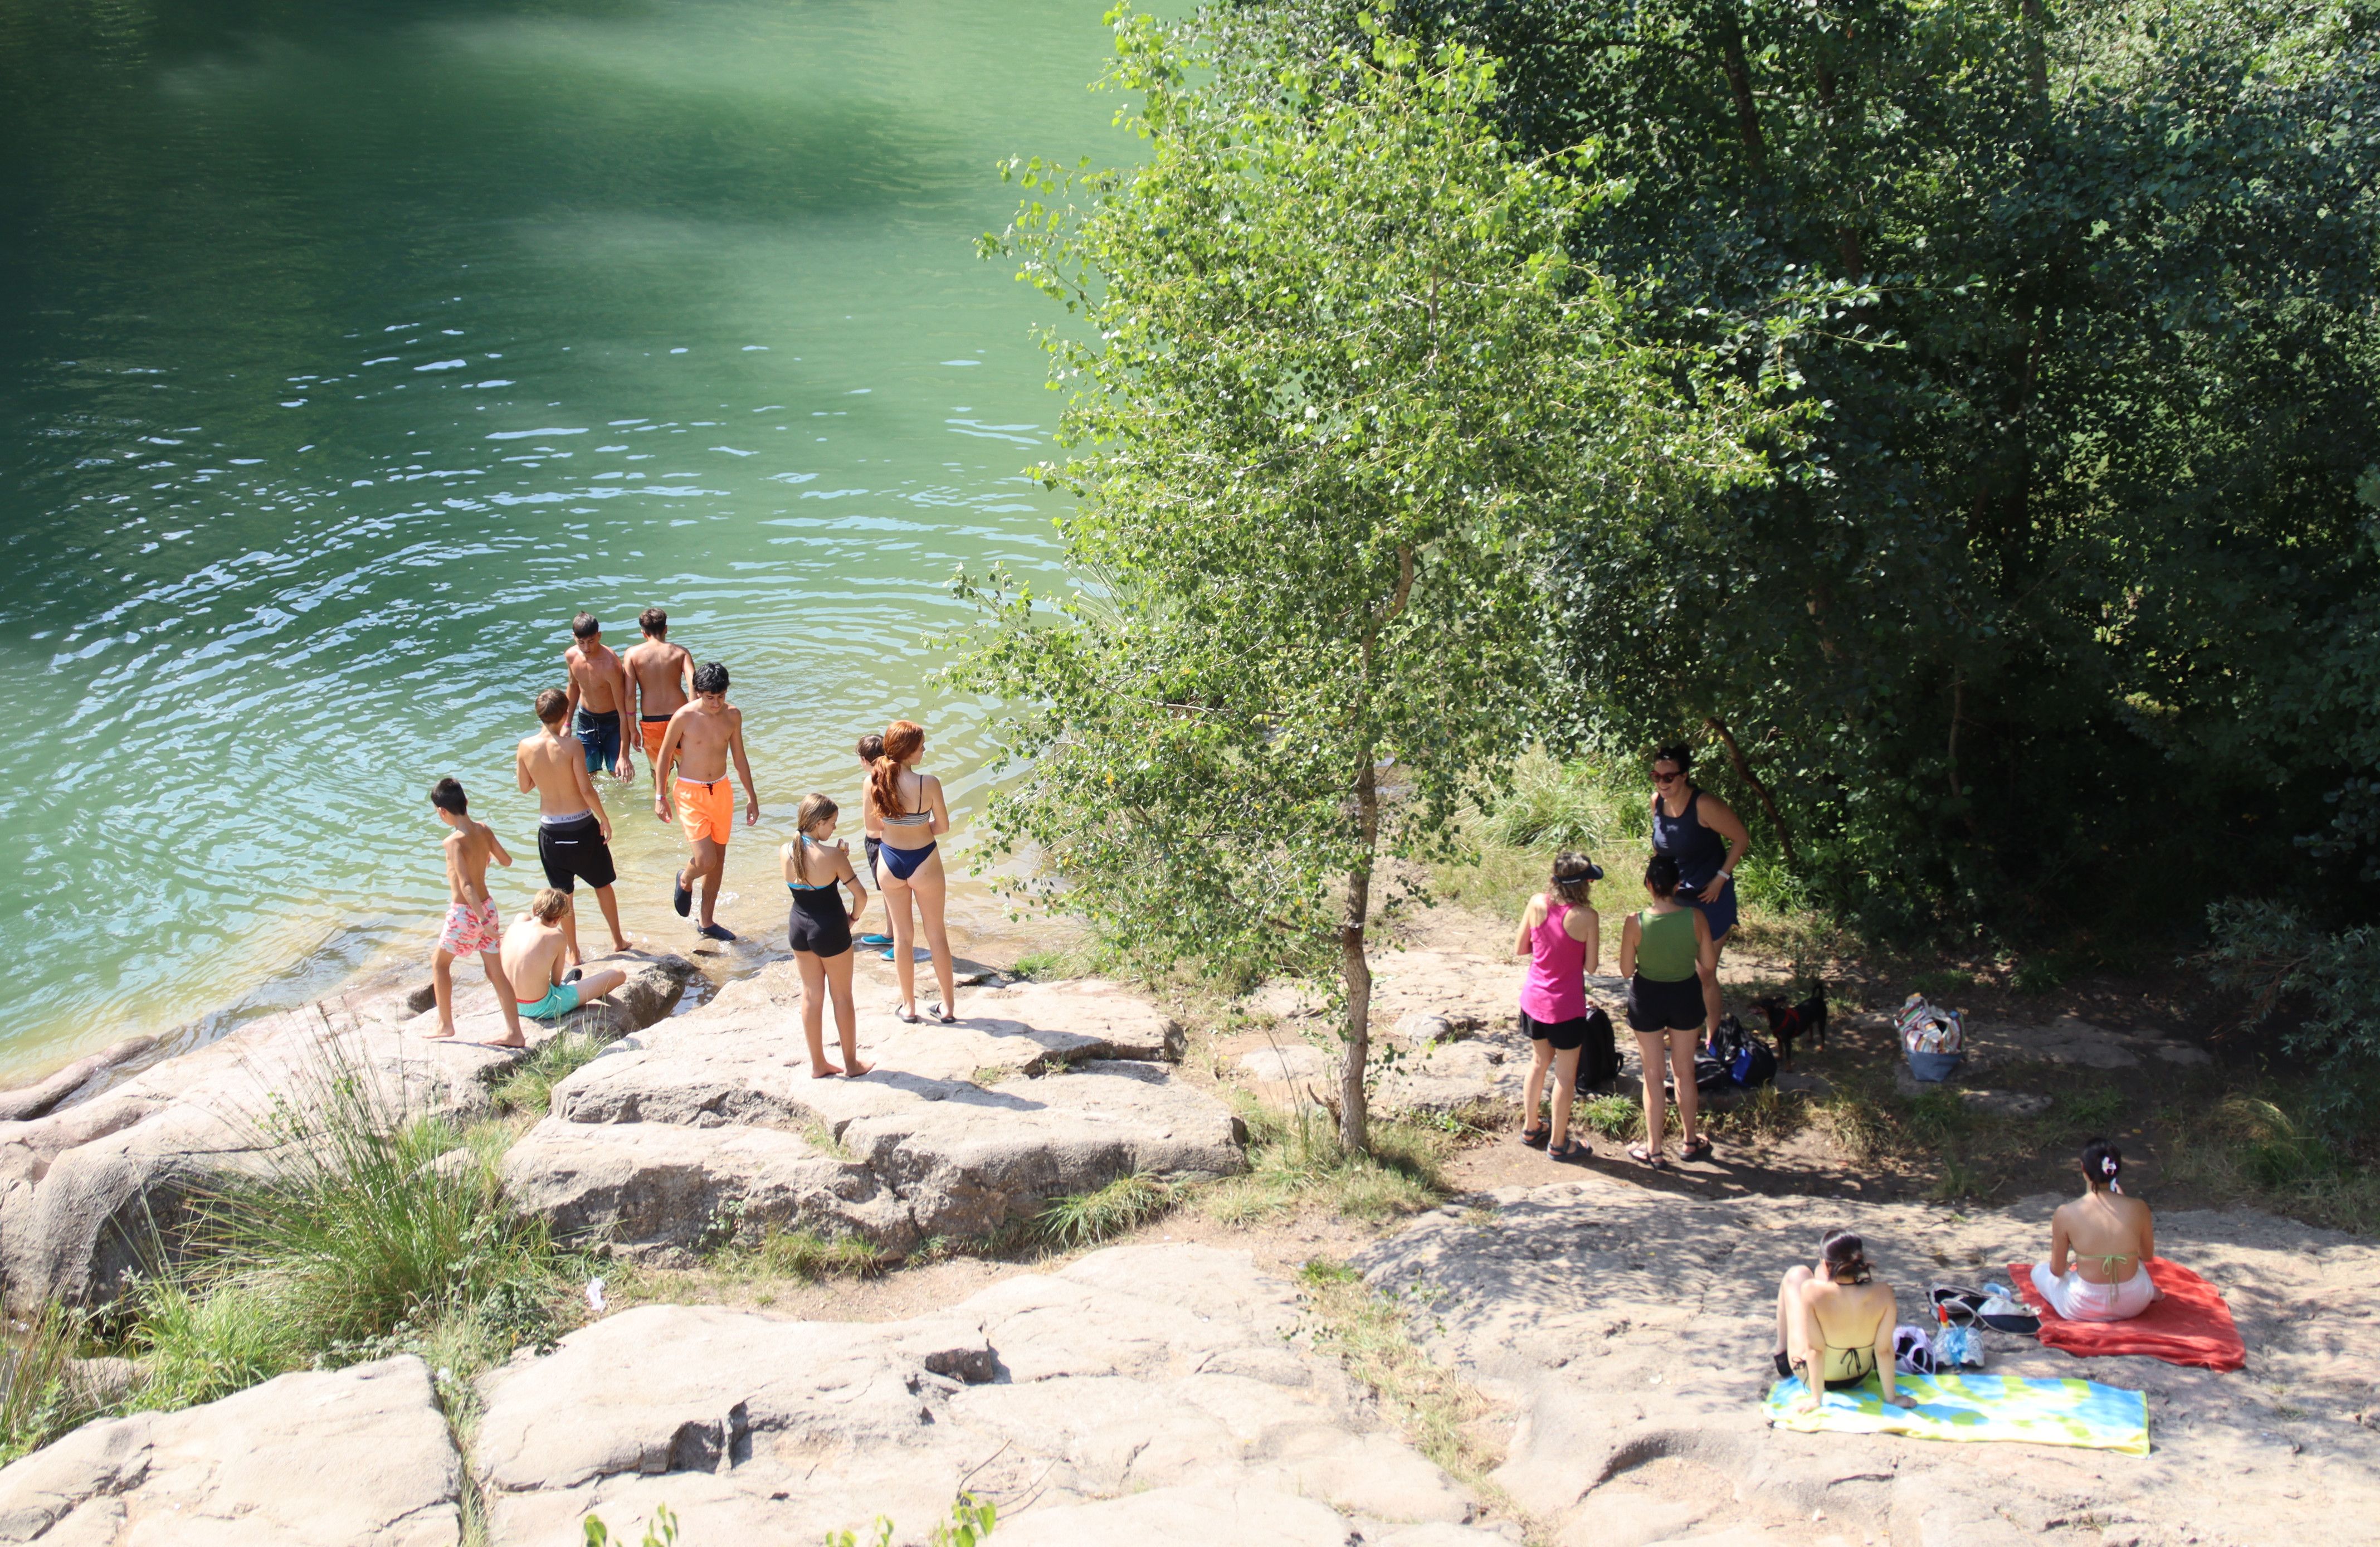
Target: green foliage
(1334, 376)
(2066, 607)
(971, 1521)
(2272, 953)
(1124, 1204)
(2088, 1112)
(660, 1529)
(1618, 1118)
(39, 1397)
(1297, 1161)
(1593, 807)
(530, 1088)
(370, 1235)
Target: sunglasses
(1667, 778)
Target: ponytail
(1846, 1258)
(904, 739)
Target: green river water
(347, 351)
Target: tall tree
(1335, 373)
(2058, 614)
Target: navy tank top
(1698, 851)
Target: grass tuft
(807, 1255)
(1084, 1218)
(530, 1088)
(1295, 1161)
(41, 1398)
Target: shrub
(2272, 953)
(805, 1254)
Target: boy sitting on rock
(533, 953)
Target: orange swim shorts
(707, 810)
(652, 729)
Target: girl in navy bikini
(906, 806)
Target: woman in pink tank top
(1564, 940)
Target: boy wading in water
(599, 698)
(663, 675)
(701, 739)
(532, 964)
(473, 926)
(574, 834)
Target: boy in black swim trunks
(574, 832)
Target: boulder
(89, 1191)
(27, 1102)
(713, 1122)
(1629, 1330)
(1144, 1393)
(354, 1458)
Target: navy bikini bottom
(903, 862)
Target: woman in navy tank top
(1703, 835)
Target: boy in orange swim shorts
(702, 740)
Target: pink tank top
(1556, 989)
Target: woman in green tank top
(1672, 964)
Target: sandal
(942, 1014)
(1570, 1151)
(1536, 1137)
(905, 1015)
(1696, 1149)
(1643, 1156)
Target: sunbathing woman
(1562, 938)
(2110, 1239)
(816, 871)
(909, 807)
(1834, 1325)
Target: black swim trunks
(574, 850)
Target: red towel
(2191, 1325)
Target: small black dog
(1785, 1023)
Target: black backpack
(1598, 1060)
(1746, 1059)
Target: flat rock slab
(80, 1185)
(712, 1121)
(354, 1458)
(1145, 1394)
(1632, 1330)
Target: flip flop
(1536, 1138)
(1643, 1156)
(905, 1015)
(942, 1014)
(681, 895)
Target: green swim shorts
(559, 1001)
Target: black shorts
(1655, 1007)
(872, 845)
(1564, 1034)
(575, 851)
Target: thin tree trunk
(1355, 1120)
(1738, 85)
(1760, 791)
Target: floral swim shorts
(468, 933)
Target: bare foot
(620, 947)
(855, 1069)
(516, 1040)
(823, 1071)
(442, 1033)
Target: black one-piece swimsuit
(819, 922)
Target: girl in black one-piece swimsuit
(819, 929)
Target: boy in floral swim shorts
(473, 926)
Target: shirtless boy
(574, 832)
(532, 963)
(599, 698)
(472, 923)
(660, 673)
(701, 739)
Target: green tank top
(1666, 949)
